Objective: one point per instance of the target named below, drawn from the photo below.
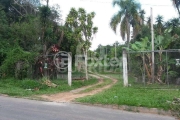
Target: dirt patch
(70, 96)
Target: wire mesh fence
(166, 66)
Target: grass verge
(133, 96)
(25, 88)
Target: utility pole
(152, 40)
(106, 49)
(115, 50)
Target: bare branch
(17, 10)
(16, 2)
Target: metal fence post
(167, 77)
(143, 72)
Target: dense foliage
(28, 32)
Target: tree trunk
(128, 32)
(147, 66)
(148, 72)
(178, 9)
(61, 39)
(128, 41)
(160, 69)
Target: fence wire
(166, 67)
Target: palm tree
(141, 14)
(173, 24)
(136, 21)
(149, 22)
(159, 24)
(126, 13)
(176, 4)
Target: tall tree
(149, 22)
(176, 4)
(135, 22)
(82, 24)
(174, 25)
(127, 10)
(159, 24)
(141, 14)
(16, 9)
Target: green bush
(175, 107)
(15, 55)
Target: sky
(104, 12)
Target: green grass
(25, 88)
(133, 96)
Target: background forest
(30, 31)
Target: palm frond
(116, 2)
(123, 28)
(127, 10)
(115, 20)
(176, 4)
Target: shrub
(9, 66)
(175, 107)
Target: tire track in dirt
(72, 95)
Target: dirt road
(77, 93)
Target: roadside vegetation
(133, 96)
(28, 87)
(31, 36)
